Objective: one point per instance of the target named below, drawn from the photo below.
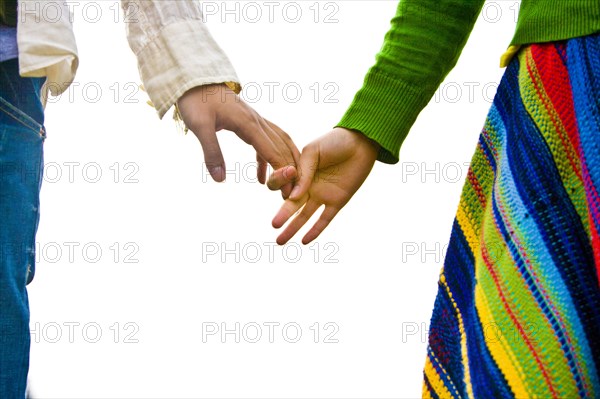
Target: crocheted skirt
(517, 312)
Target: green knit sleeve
(422, 46)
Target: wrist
(362, 138)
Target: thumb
(309, 164)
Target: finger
(213, 157)
(321, 224)
(309, 162)
(287, 140)
(287, 210)
(309, 209)
(269, 143)
(282, 177)
(286, 190)
(261, 170)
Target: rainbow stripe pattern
(517, 313)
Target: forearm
(422, 46)
(174, 48)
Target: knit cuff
(384, 110)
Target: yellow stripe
(502, 355)
(434, 379)
(425, 392)
(463, 340)
(508, 55)
(467, 227)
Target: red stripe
(550, 67)
(476, 187)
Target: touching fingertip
(290, 173)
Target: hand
(207, 109)
(332, 168)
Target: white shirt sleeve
(46, 44)
(174, 49)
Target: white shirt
(174, 49)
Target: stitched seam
(21, 117)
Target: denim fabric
(21, 163)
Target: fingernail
(289, 172)
(218, 173)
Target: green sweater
(423, 45)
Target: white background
(372, 275)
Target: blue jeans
(22, 137)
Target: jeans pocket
(9, 114)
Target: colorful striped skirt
(517, 313)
